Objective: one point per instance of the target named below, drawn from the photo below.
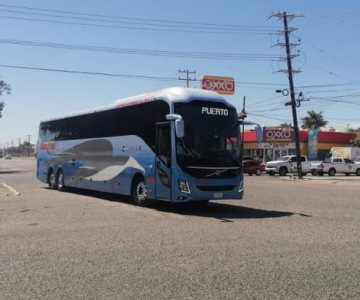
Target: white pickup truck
(287, 164)
(333, 165)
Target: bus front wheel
(139, 192)
(60, 181)
(52, 179)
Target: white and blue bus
(176, 144)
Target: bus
(176, 144)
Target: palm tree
(4, 87)
(313, 120)
(353, 130)
(285, 125)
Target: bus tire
(138, 191)
(52, 179)
(60, 185)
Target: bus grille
(204, 173)
(213, 188)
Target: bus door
(163, 161)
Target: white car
(286, 164)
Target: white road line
(10, 189)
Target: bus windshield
(211, 136)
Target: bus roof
(173, 94)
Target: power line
(133, 28)
(130, 23)
(230, 28)
(128, 76)
(150, 52)
(115, 17)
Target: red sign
(222, 85)
(48, 147)
(278, 134)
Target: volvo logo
(216, 173)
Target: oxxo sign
(278, 134)
(220, 84)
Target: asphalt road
(287, 239)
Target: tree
(285, 125)
(4, 87)
(313, 120)
(356, 143)
(353, 130)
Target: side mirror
(179, 128)
(179, 124)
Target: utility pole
(188, 79)
(284, 16)
(29, 144)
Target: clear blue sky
(329, 55)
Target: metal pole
(292, 95)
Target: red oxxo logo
(278, 134)
(220, 84)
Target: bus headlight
(183, 186)
(241, 186)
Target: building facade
(278, 141)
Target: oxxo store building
(280, 141)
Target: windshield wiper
(188, 149)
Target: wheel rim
(60, 180)
(52, 179)
(141, 192)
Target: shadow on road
(4, 171)
(225, 212)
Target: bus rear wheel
(139, 192)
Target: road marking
(9, 190)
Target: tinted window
(211, 134)
(133, 120)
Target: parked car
(287, 164)
(253, 167)
(333, 165)
(7, 156)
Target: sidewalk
(352, 179)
